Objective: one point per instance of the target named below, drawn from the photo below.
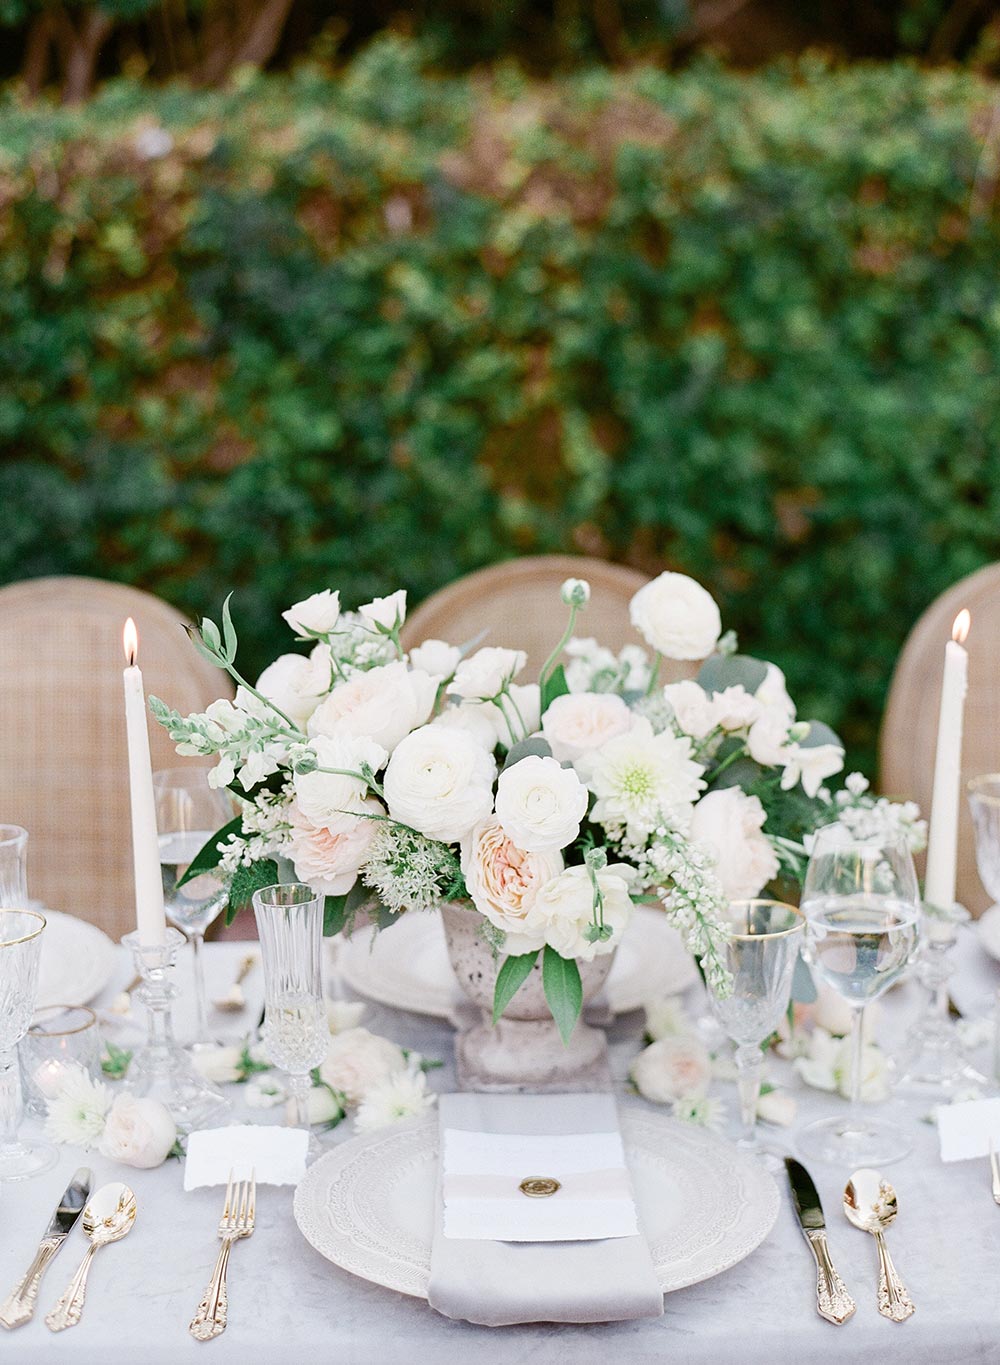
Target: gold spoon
(107, 1218)
(870, 1204)
(234, 1000)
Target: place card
(275, 1155)
(965, 1129)
(481, 1184)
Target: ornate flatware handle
(833, 1302)
(210, 1319)
(19, 1306)
(893, 1300)
(69, 1309)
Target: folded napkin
(487, 1140)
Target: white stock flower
(382, 704)
(344, 1014)
(540, 804)
(768, 743)
(329, 798)
(78, 1113)
(403, 1095)
(329, 861)
(436, 657)
(666, 1018)
(356, 1060)
(503, 880)
(578, 722)
(640, 776)
(730, 823)
(440, 782)
(811, 765)
(563, 911)
(221, 1065)
(385, 614)
(487, 672)
(294, 682)
(677, 617)
(138, 1132)
(315, 615)
(673, 1068)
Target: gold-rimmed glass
(20, 953)
(762, 944)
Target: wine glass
(762, 944)
(13, 853)
(984, 803)
(188, 813)
(862, 907)
(296, 1033)
(20, 953)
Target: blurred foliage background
(383, 315)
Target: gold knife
(833, 1302)
(19, 1306)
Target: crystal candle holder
(160, 1068)
(60, 1038)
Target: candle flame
(130, 639)
(961, 627)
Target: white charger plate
(77, 960)
(406, 965)
(369, 1205)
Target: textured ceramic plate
(78, 960)
(407, 965)
(369, 1205)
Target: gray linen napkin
(499, 1283)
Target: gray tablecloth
(287, 1304)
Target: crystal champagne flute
(20, 953)
(862, 909)
(13, 855)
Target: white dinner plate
(369, 1205)
(78, 960)
(407, 966)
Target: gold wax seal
(539, 1186)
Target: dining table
(288, 1304)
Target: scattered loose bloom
(703, 1110)
(138, 1132)
(673, 1068)
(356, 1060)
(402, 1095)
(78, 1113)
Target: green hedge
(386, 328)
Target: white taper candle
(942, 844)
(149, 913)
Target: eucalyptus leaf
(563, 990)
(803, 986)
(209, 855)
(819, 733)
(722, 671)
(526, 748)
(743, 773)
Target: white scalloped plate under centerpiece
(369, 1205)
(406, 965)
(77, 960)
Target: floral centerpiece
(404, 781)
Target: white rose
(563, 911)
(729, 823)
(294, 682)
(767, 741)
(440, 781)
(316, 615)
(327, 798)
(777, 1107)
(382, 705)
(478, 719)
(138, 1132)
(436, 657)
(692, 708)
(874, 1072)
(734, 708)
(385, 614)
(220, 1065)
(832, 1013)
(677, 617)
(356, 1060)
(504, 880)
(487, 672)
(540, 804)
(811, 765)
(673, 1068)
(329, 861)
(321, 1106)
(578, 722)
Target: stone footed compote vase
(524, 1051)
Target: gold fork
(995, 1169)
(237, 1221)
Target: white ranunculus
(138, 1132)
(768, 742)
(264, 1092)
(773, 693)
(578, 722)
(221, 1065)
(436, 657)
(563, 911)
(540, 804)
(385, 614)
(294, 682)
(382, 705)
(640, 778)
(403, 1095)
(811, 765)
(440, 782)
(329, 861)
(356, 1060)
(692, 708)
(673, 1068)
(315, 615)
(503, 880)
(677, 617)
(486, 673)
(330, 798)
(730, 824)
